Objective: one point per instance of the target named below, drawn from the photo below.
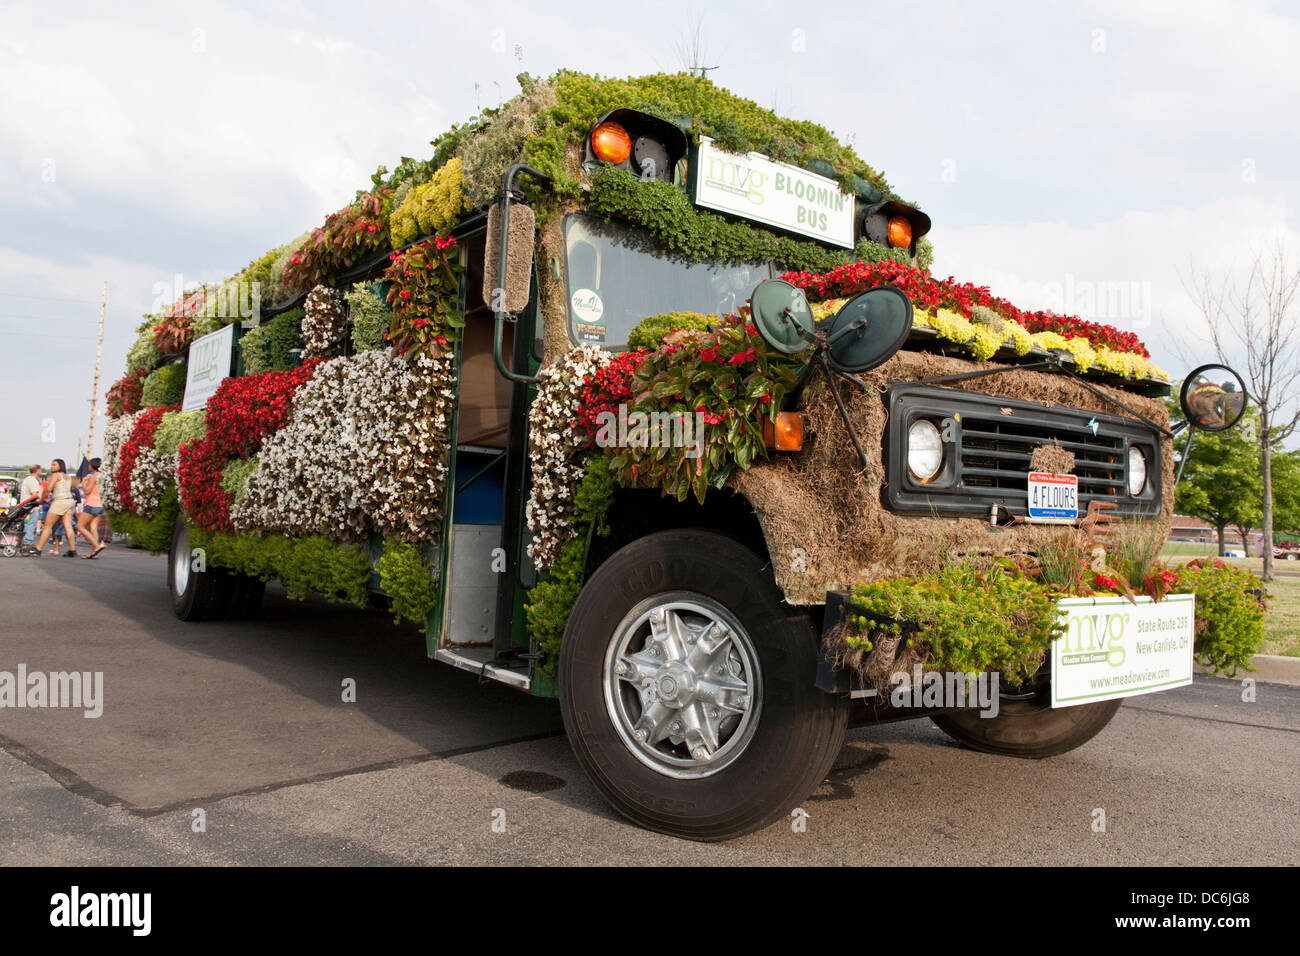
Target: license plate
(1053, 499)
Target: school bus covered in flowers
(638, 395)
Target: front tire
(1028, 726)
(687, 688)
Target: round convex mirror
(1213, 398)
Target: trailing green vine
(154, 534)
(967, 620)
(550, 600)
(338, 572)
(410, 580)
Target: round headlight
(924, 450)
(1137, 471)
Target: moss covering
(370, 316)
(164, 386)
(270, 347)
(176, 428)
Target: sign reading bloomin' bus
(777, 194)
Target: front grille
(996, 454)
(987, 450)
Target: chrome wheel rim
(180, 558)
(683, 685)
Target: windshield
(617, 277)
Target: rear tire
(1028, 728)
(196, 595)
(694, 620)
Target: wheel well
(639, 512)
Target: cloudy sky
(1086, 157)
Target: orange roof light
(786, 434)
(611, 144)
(900, 233)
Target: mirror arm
(1187, 445)
(498, 334)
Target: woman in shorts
(59, 490)
(91, 508)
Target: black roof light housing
(873, 222)
(657, 145)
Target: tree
(1257, 322)
(1286, 492)
(1221, 481)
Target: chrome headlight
(1137, 471)
(924, 450)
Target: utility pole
(94, 391)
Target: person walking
(59, 490)
(91, 508)
(30, 488)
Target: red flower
(766, 399)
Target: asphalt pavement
(245, 721)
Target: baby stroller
(11, 526)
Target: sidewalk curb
(1269, 669)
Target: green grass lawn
(1282, 622)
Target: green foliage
(176, 428)
(143, 354)
(370, 316)
(499, 139)
(736, 124)
(1223, 483)
(433, 207)
(970, 620)
(234, 477)
(1134, 550)
(1229, 621)
(650, 331)
(550, 600)
(164, 386)
(153, 533)
(339, 572)
(664, 211)
(410, 580)
(274, 291)
(735, 380)
(1286, 490)
(868, 251)
(924, 253)
(268, 347)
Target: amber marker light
(611, 144)
(900, 233)
(786, 434)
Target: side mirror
(1213, 398)
(519, 259)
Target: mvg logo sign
(1092, 638)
